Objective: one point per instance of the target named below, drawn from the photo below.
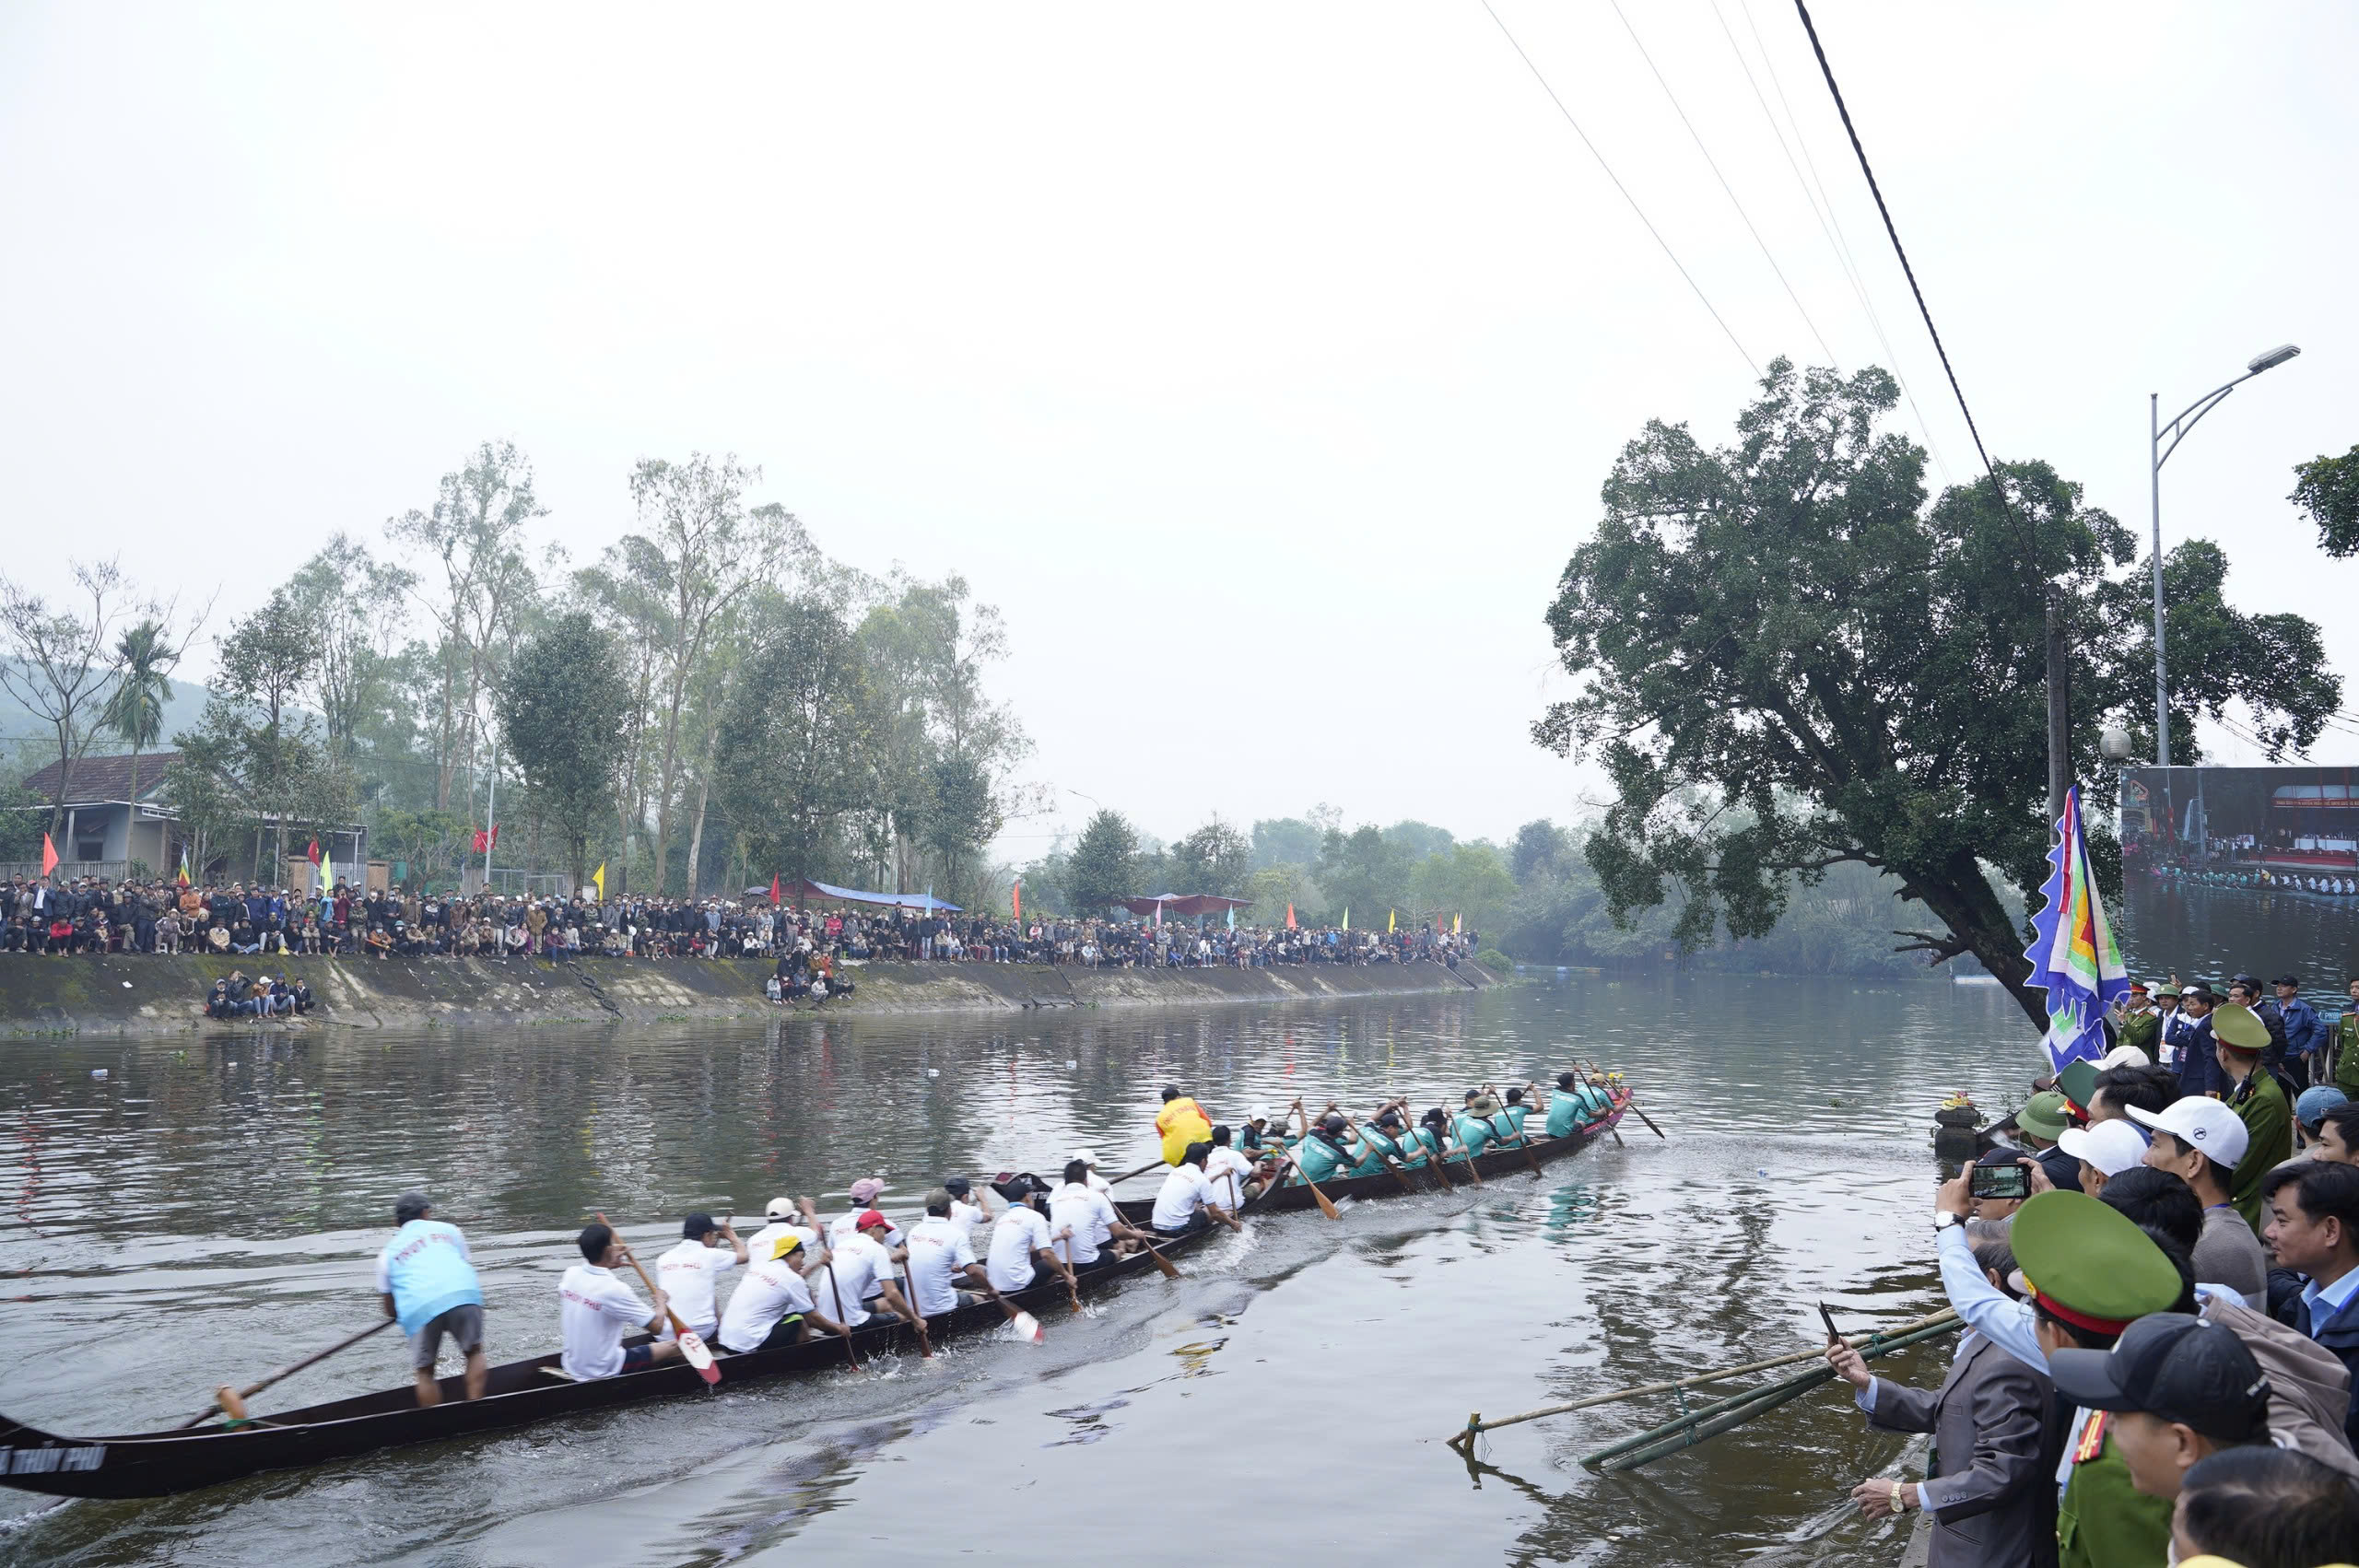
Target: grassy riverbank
(156, 995)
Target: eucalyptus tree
(356, 607)
(1787, 659)
(797, 752)
(707, 550)
(475, 536)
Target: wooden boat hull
(156, 1464)
(1496, 1163)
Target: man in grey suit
(1989, 1480)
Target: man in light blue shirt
(427, 1282)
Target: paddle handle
(290, 1370)
(677, 1326)
(1140, 1172)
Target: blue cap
(2315, 1102)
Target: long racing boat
(518, 1393)
(156, 1464)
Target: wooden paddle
(1073, 1293)
(1140, 1172)
(1586, 1070)
(1326, 1204)
(692, 1348)
(1522, 1141)
(1631, 1101)
(1390, 1163)
(837, 1291)
(917, 1317)
(231, 1402)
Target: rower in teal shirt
(1473, 1129)
(1380, 1139)
(1324, 1154)
(1567, 1107)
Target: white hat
(1087, 1156)
(2123, 1056)
(779, 1208)
(2112, 1147)
(2204, 1125)
(1260, 1113)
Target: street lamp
(2177, 429)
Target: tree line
(711, 699)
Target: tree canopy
(1787, 659)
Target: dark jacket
(2341, 1335)
(2199, 1064)
(1994, 1498)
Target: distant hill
(24, 734)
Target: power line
(1713, 164)
(2006, 503)
(1837, 243)
(1705, 301)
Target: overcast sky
(1261, 362)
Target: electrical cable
(1893, 232)
(1725, 189)
(1837, 244)
(1752, 364)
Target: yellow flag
(1348, 926)
(1457, 925)
(327, 875)
(1390, 915)
(599, 878)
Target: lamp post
(2159, 454)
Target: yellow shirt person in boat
(1181, 1122)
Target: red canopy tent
(1186, 904)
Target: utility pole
(2059, 706)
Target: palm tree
(136, 709)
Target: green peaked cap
(2238, 1025)
(2079, 1082)
(2089, 1263)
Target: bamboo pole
(1475, 1424)
(1689, 1430)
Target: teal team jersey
(1474, 1132)
(1516, 1114)
(1428, 1144)
(1564, 1114)
(1317, 1158)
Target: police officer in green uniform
(2140, 1022)
(2240, 1038)
(2346, 1037)
(2089, 1275)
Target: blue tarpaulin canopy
(926, 902)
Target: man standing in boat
(427, 1282)
(1179, 1123)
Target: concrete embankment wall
(156, 995)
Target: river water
(211, 1209)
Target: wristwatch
(1943, 1220)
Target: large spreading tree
(1789, 656)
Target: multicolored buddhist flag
(184, 876)
(2074, 954)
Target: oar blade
(693, 1350)
(1029, 1327)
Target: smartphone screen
(2001, 1181)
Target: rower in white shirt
(690, 1270)
(1187, 1201)
(964, 1209)
(1095, 1224)
(1088, 1157)
(797, 1216)
(1228, 1172)
(941, 1257)
(598, 1311)
(855, 1281)
(1022, 1241)
(771, 1306)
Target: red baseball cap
(870, 1218)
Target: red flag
(1015, 899)
(1290, 926)
(493, 842)
(48, 855)
(486, 841)
(774, 899)
(313, 854)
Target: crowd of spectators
(94, 916)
